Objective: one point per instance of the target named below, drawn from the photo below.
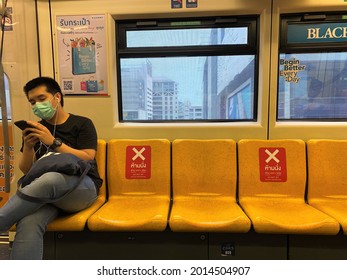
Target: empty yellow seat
(77, 221)
(272, 182)
(138, 173)
(327, 178)
(204, 187)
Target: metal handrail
(3, 104)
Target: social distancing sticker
(272, 163)
(138, 162)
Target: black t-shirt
(77, 132)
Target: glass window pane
(188, 88)
(187, 37)
(312, 86)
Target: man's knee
(46, 186)
(49, 180)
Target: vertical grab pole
(5, 130)
(3, 104)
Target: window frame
(307, 48)
(251, 48)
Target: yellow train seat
(272, 183)
(327, 178)
(78, 221)
(204, 187)
(138, 173)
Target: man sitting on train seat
(60, 132)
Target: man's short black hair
(51, 85)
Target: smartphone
(22, 124)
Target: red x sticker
(272, 163)
(138, 162)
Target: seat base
(336, 208)
(131, 213)
(288, 216)
(208, 214)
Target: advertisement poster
(4, 196)
(176, 4)
(8, 20)
(192, 3)
(81, 43)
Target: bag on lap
(55, 162)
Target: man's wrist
(57, 142)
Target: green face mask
(44, 110)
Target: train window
(187, 70)
(312, 80)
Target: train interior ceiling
(191, 69)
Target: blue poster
(83, 59)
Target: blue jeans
(32, 218)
